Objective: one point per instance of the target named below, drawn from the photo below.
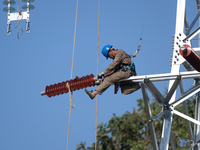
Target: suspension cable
(139, 46)
(71, 99)
(97, 73)
(143, 19)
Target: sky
(30, 121)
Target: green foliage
(130, 131)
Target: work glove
(100, 74)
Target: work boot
(91, 95)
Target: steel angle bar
(198, 6)
(186, 117)
(197, 117)
(154, 91)
(180, 14)
(163, 77)
(181, 87)
(192, 145)
(186, 22)
(193, 23)
(172, 142)
(187, 95)
(166, 129)
(190, 74)
(172, 90)
(155, 77)
(193, 34)
(186, 112)
(187, 66)
(149, 116)
(196, 49)
(188, 122)
(158, 116)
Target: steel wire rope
(97, 73)
(139, 46)
(71, 99)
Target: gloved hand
(100, 74)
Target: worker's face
(111, 54)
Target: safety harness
(130, 67)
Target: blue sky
(30, 121)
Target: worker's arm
(116, 62)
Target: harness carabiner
(138, 48)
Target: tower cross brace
(175, 79)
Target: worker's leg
(111, 80)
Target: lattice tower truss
(184, 34)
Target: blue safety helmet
(105, 50)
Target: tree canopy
(130, 131)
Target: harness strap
(130, 67)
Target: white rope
(70, 94)
(74, 40)
(72, 105)
(97, 73)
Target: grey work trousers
(109, 80)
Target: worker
(122, 67)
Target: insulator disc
(11, 9)
(30, 1)
(6, 2)
(31, 7)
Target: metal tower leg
(186, 112)
(149, 116)
(197, 117)
(166, 128)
